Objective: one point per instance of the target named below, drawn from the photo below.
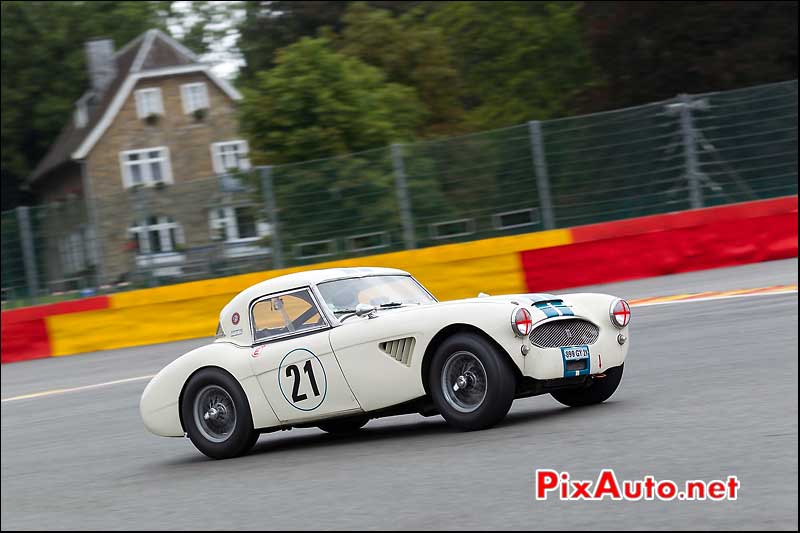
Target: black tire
(499, 385)
(598, 391)
(344, 425)
(241, 437)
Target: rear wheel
(344, 426)
(471, 382)
(598, 391)
(216, 415)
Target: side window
(288, 313)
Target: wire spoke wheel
(214, 413)
(464, 381)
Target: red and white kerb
(521, 322)
(620, 313)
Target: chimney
(101, 63)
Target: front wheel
(216, 415)
(471, 382)
(598, 391)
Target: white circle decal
(302, 379)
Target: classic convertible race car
(334, 348)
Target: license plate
(573, 353)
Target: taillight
(521, 322)
(620, 313)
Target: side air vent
(399, 349)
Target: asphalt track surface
(710, 390)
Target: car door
(293, 360)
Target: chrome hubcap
(464, 381)
(214, 413)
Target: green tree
(519, 60)
(268, 26)
(317, 104)
(654, 50)
(409, 52)
(204, 23)
(320, 103)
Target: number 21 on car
(293, 360)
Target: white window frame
(141, 232)
(228, 223)
(189, 103)
(143, 107)
(218, 156)
(146, 170)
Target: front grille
(569, 332)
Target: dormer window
(194, 97)
(81, 116)
(148, 102)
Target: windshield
(342, 296)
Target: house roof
(151, 54)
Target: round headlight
(521, 322)
(620, 313)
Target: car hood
(527, 300)
(521, 299)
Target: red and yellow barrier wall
(543, 261)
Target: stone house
(145, 179)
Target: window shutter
(185, 99)
(140, 104)
(244, 155)
(158, 103)
(216, 159)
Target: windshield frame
(338, 317)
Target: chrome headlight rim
(626, 317)
(515, 324)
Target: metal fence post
(268, 194)
(542, 179)
(403, 199)
(690, 149)
(28, 251)
(97, 244)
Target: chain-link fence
(687, 152)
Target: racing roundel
(235, 318)
(302, 379)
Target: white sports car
(335, 348)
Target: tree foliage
(649, 51)
(519, 60)
(268, 26)
(317, 102)
(410, 52)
